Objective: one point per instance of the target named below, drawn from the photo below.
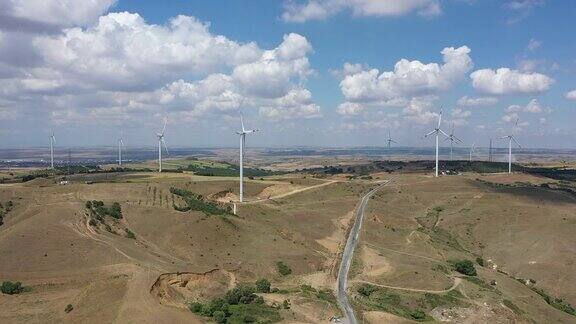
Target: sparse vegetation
(197, 203)
(376, 298)
(512, 306)
(68, 308)
(283, 268)
(557, 303)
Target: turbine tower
(161, 142)
(390, 140)
(472, 149)
(52, 141)
(452, 138)
(120, 145)
(510, 139)
(437, 131)
(242, 134)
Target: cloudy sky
(307, 72)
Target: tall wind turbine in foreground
(120, 145)
(52, 140)
(437, 131)
(452, 138)
(472, 149)
(390, 140)
(161, 142)
(510, 139)
(242, 134)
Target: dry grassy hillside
(518, 232)
(48, 244)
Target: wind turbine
(510, 139)
(452, 138)
(120, 145)
(390, 140)
(52, 141)
(242, 134)
(161, 142)
(437, 131)
(472, 150)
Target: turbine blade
(457, 139)
(164, 128)
(242, 122)
(440, 118)
(515, 141)
(447, 139)
(393, 141)
(442, 132)
(165, 146)
(432, 132)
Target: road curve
(351, 243)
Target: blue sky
(94, 69)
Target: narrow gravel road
(351, 243)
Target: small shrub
(129, 234)
(11, 288)
(68, 308)
(263, 286)
(480, 261)
(417, 314)
(286, 304)
(366, 290)
(196, 307)
(283, 268)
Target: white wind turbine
(472, 149)
(161, 142)
(437, 131)
(510, 139)
(452, 138)
(390, 140)
(52, 141)
(242, 134)
(120, 145)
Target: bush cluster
(465, 267)
(99, 210)
(239, 305)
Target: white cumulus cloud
(302, 11)
(466, 101)
(571, 95)
(505, 81)
(408, 78)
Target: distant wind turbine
(390, 140)
(242, 134)
(52, 141)
(437, 131)
(472, 148)
(452, 138)
(510, 139)
(161, 142)
(120, 145)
